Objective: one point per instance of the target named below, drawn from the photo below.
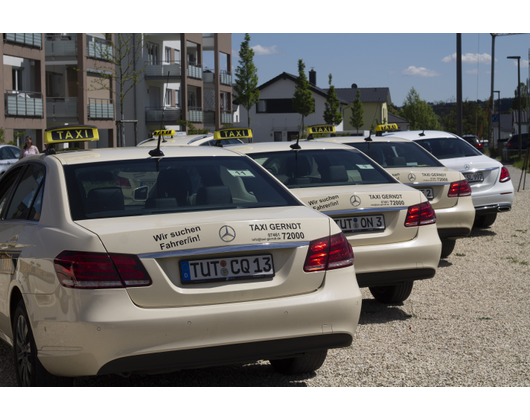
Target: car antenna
(157, 152)
(296, 146)
(422, 133)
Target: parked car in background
(491, 186)
(391, 226)
(446, 189)
(9, 155)
(513, 142)
(474, 141)
(221, 264)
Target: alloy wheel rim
(23, 351)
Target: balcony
(226, 117)
(164, 115)
(98, 48)
(159, 71)
(23, 104)
(60, 46)
(194, 71)
(195, 114)
(30, 40)
(61, 108)
(100, 109)
(226, 78)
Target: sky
(399, 61)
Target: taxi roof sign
(68, 134)
(321, 129)
(164, 133)
(232, 133)
(386, 127)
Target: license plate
(474, 177)
(361, 223)
(226, 269)
(427, 192)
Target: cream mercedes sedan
(216, 263)
(391, 226)
(446, 189)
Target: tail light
(84, 270)
(505, 175)
(329, 253)
(420, 215)
(459, 189)
(123, 182)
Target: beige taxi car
(220, 264)
(446, 189)
(391, 226)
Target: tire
(306, 363)
(29, 370)
(485, 221)
(448, 245)
(395, 293)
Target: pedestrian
(28, 148)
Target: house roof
(393, 118)
(370, 94)
(313, 88)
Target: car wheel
(29, 370)
(306, 363)
(396, 293)
(448, 245)
(485, 221)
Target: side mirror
(140, 194)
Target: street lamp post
(498, 115)
(518, 58)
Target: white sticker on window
(367, 166)
(240, 173)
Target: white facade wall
(264, 125)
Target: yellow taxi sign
(232, 133)
(70, 134)
(164, 133)
(320, 129)
(386, 127)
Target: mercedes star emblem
(355, 201)
(466, 166)
(412, 177)
(227, 233)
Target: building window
(152, 53)
(168, 97)
(177, 98)
(277, 136)
(275, 106)
(17, 79)
(167, 55)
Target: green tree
(332, 114)
(357, 112)
(420, 115)
(246, 84)
(515, 103)
(303, 101)
(473, 119)
(117, 70)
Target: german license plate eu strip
(227, 269)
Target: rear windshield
(170, 185)
(448, 148)
(327, 167)
(396, 154)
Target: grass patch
(485, 318)
(516, 261)
(460, 255)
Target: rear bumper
(456, 222)
(107, 333)
(381, 264)
(493, 208)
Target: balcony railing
(61, 46)
(226, 117)
(98, 48)
(32, 40)
(161, 69)
(195, 114)
(100, 109)
(226, 78)
(194, 71)
(23, 104)
(166, 115)
(61, 108)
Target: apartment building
(22, 80)
(185, 77)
